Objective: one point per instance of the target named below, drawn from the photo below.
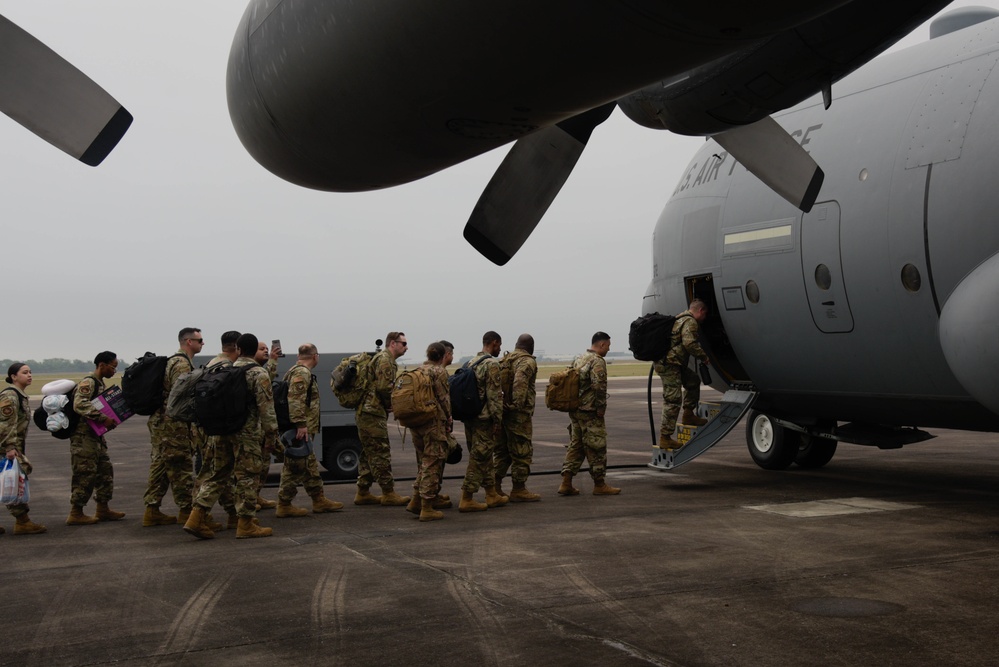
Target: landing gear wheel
(772, 446)
(814, 452)
(341, 458)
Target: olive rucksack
(464, 389)
(180, 401)
(142, 383)
(222, 399)
(351, 378)
(562, 392)
(649, 336)
(413, 400)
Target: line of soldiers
(232, 468)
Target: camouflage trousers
(431, 445)
(299, 472)
(265, 471)
(20, 509)
(172, 465)
(587, 439)
(231, 463)
(676, 379)
(92, 471)
(375, 462)
(514, 451)
(481, 445)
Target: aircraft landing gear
(814, 452)
(772, 446)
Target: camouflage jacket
(383, 370)
(175, 367)
(442, 391)
(87, 390)
(487, 377)
(261, 424)
(14, 418)
(592, 381)
(683, 340)
(303, 398)
(524, 371)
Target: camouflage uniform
(480, 431)
(514, 447)
(14, 420)
(375, 462)
(92, 471)
(677, 375)
(173, 444)
(587, 432)
(303, 409)
(430, 440)
(239, 455)
(271, 366)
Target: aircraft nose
(969, 333)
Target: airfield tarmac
(880, 558)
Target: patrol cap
(297, 449)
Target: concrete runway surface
(880, 558)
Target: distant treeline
(52, 365)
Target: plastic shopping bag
(13, 483)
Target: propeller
(526, 183)
(773, 156)
(55, 100)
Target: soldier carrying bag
(351, 378)
(180, 401)
(464, 389)
(562, 392)
(142, 383)
(222, 398)
(649, 336)
(413, 400)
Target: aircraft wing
(55, 100)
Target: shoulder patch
(7, 411)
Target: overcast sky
(180, 227)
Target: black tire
(814, 452)
(772, 446)
(341, 458)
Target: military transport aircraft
(55, 100)
(346, 96)
(878, 310)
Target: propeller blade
(773, 156)
(526, 183)
(56, 101)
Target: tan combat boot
(690, 419)
(442, 503)
(154, 517)
(602, 488)
(365, 497)
(392, 499)
(285, 510)
(24, 526)
(494, 499)
(183, 514)
(520, 494)
(428, 513)
(470, 504)
(264, 504)
(78, 518)
(566, 488)
(105, 513)
(321, 504)
(668, 443)
(212, 524)
(196, 525)
(249, 528)
(232, 521)
(414, 505)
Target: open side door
(734, 404)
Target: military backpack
(650, 335)
(222, 399)
(413, 400)
(464, 388)
(351, 378)
(562, 392)
(142, 383)
(281, 407)
(180, 401)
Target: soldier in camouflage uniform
(92, 471)
(14, 420)
(267, 359)
(587, 431)
(483, 431)
(514, 449)
(238, 455)
(430, 439)
(677, 376)
(173, 442)
(303, 410)
(375, 463)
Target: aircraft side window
(911, 280)
(822, 277)
(753, 292)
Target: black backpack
(222, 399)
(142, 383)
(649, 337)
(465, 402)
(40, 417)
(281, 409)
